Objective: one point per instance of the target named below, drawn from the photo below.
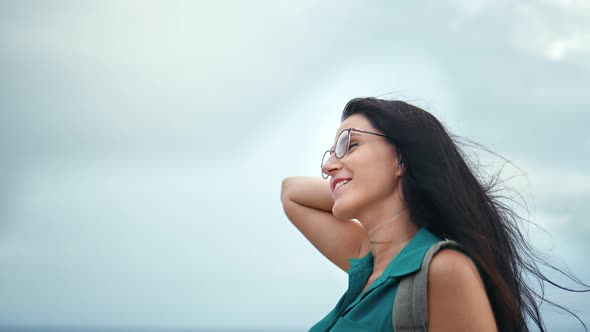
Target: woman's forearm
(313, 192)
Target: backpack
(410, 310)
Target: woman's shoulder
(451, 263)
(456, 293)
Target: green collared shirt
(371, 310)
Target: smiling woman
(395, 186)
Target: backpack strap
(410, 310)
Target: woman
(394, 184)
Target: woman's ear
(401, 169)
(401, 165)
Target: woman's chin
(342, 210)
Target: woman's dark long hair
(442, 192)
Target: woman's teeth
(340, 184)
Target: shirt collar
(408, 260)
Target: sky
(144, 143)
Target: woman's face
(370, 164)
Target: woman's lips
(338, 188)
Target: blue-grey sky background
(143, 144)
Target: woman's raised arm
(307, 202)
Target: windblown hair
(443, 193)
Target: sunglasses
(342, 146)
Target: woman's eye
(351, 145)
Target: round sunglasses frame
(332, 150)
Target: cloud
(555, 30)
(144, 143)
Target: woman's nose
(330, 165)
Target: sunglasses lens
(342, 144)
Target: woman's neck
(388, 233)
